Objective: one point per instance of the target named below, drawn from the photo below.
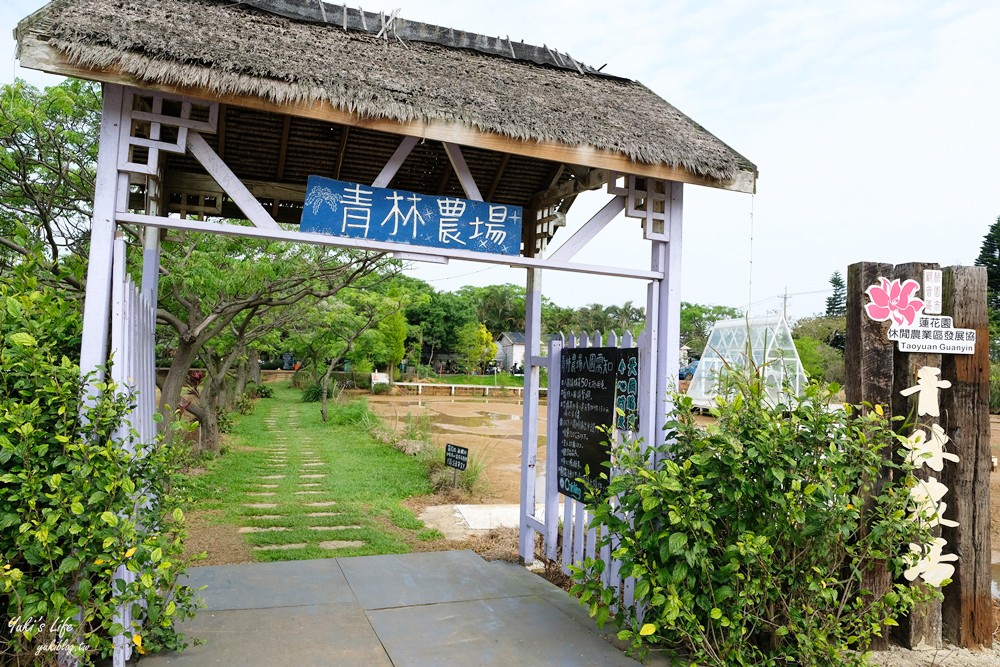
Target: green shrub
(994, 389)
(353, 412)
(313, 393)
(245, 405)
(259, 391)
(71, 510)
(748, 543)
(380, 388)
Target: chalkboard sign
(456, 457)
(598, 390)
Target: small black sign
(598, 390)
(456, 457)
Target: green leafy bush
(313, 393)
(750, 542)
(74, 505)
(995, 388)
(254, 390)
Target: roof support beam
(395, 162)
(496, 179)
(462, 170)
(344, 136)
(229, 183)
(279, 234)
(590, 229)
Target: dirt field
(489, 427)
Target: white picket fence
(579, 537)
(133, 370)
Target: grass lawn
(298, 488)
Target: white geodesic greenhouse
(764, 343)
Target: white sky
(875, 125)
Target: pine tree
(836, 303)
(989, 256)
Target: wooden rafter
(492, 190)
(344, 136)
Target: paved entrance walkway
(438, 609)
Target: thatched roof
(226, 49)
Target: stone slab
(422, 578)
(270, 585)
(301, 636)
(450, 634)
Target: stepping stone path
(289, 463)
(277, 547)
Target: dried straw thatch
(226, 48)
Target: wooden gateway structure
(216, 113)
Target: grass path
(297, 488)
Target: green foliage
(989, 257)
(394, 329)
(439, 317)
(381, 388)
(499, 307)
(994, 388)
(829, 330)
(475, 346)
(836, 303)
(71, 510)
(697, 321)
(48, 153)
(313, 393)
(750, 542)
(821, 362)
(259, 391)
(352, 412)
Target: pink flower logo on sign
(895, 300)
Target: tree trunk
(242, 377)
(254, 364)
(208, 421)
(173, 383)
(325, 384)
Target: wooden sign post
(868, 357)
(894, 362)
(967, 608)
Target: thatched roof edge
(639, 125)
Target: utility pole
(784, 309)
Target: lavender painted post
(551, 451)
(668, 355)
(97, 304)
(529, 428)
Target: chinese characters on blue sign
(380, 214)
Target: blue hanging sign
(380, 214)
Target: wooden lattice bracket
(159, 122)
(646, 199)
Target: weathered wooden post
(951, 352)
(923, 625)
(868, 357)
(967, 610)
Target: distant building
(510, 350)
